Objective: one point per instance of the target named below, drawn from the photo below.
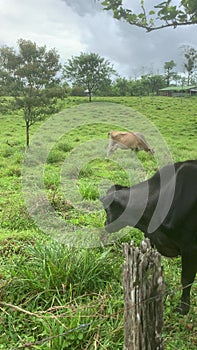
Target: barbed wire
(44, 340)
(83, 326)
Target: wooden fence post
(143, 297)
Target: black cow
(165, 208)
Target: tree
(31, 77)
(121, 87)
(154, 83)
(77, 91)
(191, 62)
(148, 84)
(168, 67)
(105, 89)
(162, 15)
(89, 71)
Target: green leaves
(190, 63)
(31, 75)
(89, 71)
(165, 14)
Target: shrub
(55, 156)
(14, 171)
(65, 147)
(54, 266)
(7, 151)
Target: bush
(55, 156)
(65, 147)
(14, 171)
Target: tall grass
(57, 297)
(72, 290)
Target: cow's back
(126, 138)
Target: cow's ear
(107, 200)
(112, 189)
(115, 188)
(118, 187)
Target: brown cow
(127, 140)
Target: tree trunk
(143, 298)
(27, 133)
(90, 96)
(188, 79)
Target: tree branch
(168, 14)
(167, 25)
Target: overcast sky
(74, 26)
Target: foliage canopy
(190, 64)
(30, 75)
(89, 71)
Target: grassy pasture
(55, 296)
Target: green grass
(61, 297)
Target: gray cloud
(132, 50)
(73, 26)
(151, 50)
(84, 7)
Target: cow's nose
(151, 151)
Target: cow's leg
(109, 149)
(112, 147)
(189, 269)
